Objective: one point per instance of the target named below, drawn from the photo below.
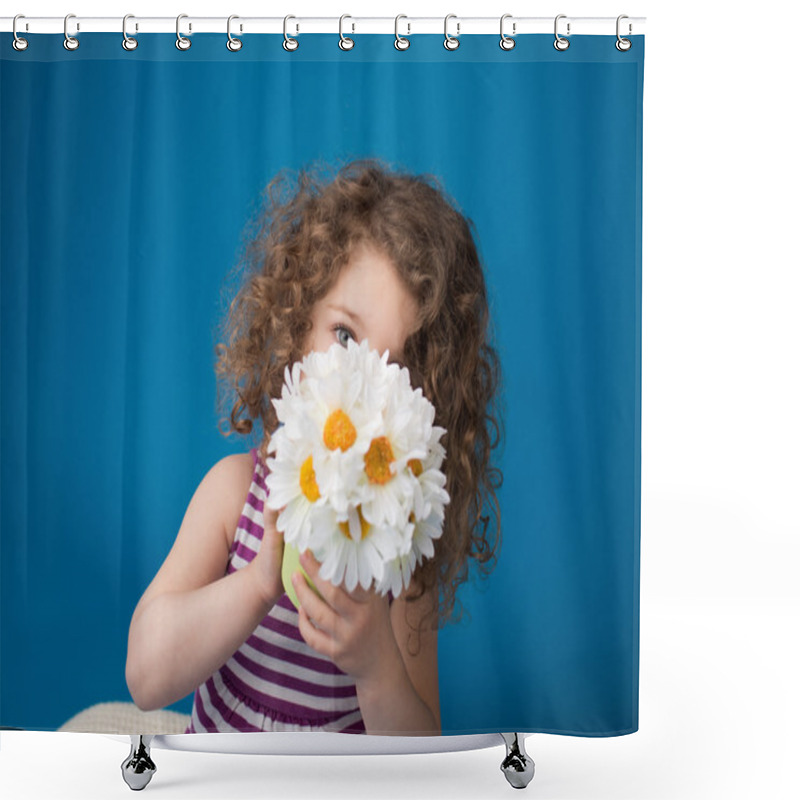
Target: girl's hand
(352, 628)
(267, 562)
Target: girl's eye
(337, 329)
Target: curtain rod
(298, 25)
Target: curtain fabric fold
(127, 182)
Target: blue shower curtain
(128, 180)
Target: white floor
(718, 718)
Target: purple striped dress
(275, 681)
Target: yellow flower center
(339, 431)
(415, 465)
(344, 527)
(412, 517)
(308, 481)
(377, 460)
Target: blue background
(126, 183)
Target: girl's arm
(404, 699)
(193, 616)
(395, 667)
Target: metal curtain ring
(400, 42)
(345, 42)
(506, 42)
(561, 43)
(289, 43)
(70, 42)
(182, 43)
(19, 43)
(233, 44)
(128, 42)
(623, 44)
(451, 42)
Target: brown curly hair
(304, 232)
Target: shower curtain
(129, 183)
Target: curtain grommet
(19, 44)
(181, 42)
(233, 44)
(401, 42)
(70, 42)
(289, 44)
(622, 44)
(507, 42)
(561, 43)
(451, 42)
(128, 42)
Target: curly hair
(305, 230)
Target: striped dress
(275, 681)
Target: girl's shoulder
(237, 472)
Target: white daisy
(344, 412)
(407, 420)
(426, 520)
(293, 470)
(352, 552)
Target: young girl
(371, 254)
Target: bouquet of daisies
(357, 467)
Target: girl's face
(368, 301)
